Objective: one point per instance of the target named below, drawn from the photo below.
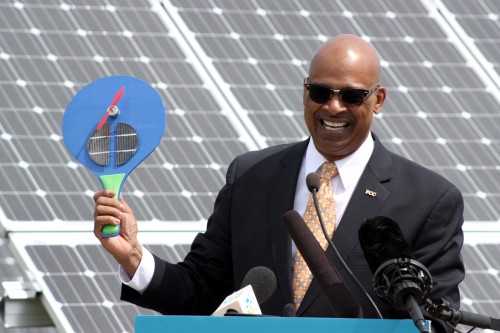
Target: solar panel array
(67, 47)
(230, 74)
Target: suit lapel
(281, 189)
(366, 201)
(346, 235)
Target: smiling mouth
(334, 126)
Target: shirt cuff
(144, 274)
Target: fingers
(104, 193)
(107, 211)
(107, 206)
(99, 224)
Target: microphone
(258, 285)
(242, 301)
(289, 310)
(313, 183)
(263, 282)
(399, 279)
(343, 304)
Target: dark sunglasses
(321, 93)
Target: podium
(206, 324)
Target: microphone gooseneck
(313, 182)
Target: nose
(335, 105)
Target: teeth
(332, 124)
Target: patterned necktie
(301, 274)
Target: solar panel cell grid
(74, 207)
(479, 209)
(193, 99)
(329, 24)
(492, 5)
(239, 73)
(287, 6)
(302, 49)
(25, 207)
(456, 176)
(439, 51)
(205, 22)
(198, 123)
(481, 28)
(486, 179)
(262, 49)
(417, 77)
(488, 283)
(260, 98)
(409, 127)
(490, 51)
(142, 23)
(276, 126)
(481, 25)
(464, 7)
(195, 4)
(12, 19)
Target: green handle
(112, 182)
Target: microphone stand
(444, 311)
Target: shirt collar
(350, 168)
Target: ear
(381, 94)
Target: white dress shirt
(350, 170)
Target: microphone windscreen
(324, 272)
(381, 240)
(313, 181)
(263, 282)
(306, 243)
(289, 310)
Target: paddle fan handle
(112, 182)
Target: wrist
(132, 262)
(143, 275)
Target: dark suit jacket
(246, 230)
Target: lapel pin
(370, 193)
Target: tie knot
(328, 171)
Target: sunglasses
(321, 93)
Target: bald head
(348, 55)
(338, 127)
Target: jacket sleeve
(438, 248)
(198, 284)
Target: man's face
(339, 128)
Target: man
(246, 228)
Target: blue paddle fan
(110, 126)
